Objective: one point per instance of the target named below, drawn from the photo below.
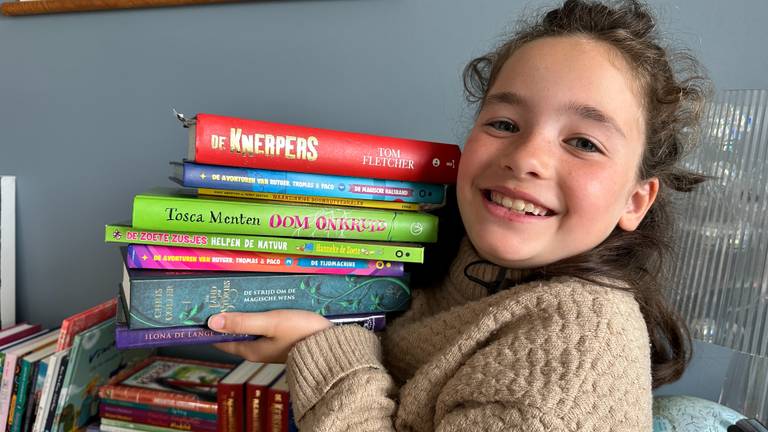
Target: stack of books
(274, 216)
(50, 378)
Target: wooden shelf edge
(37, 7)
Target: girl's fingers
(262, 350)
(260, 324)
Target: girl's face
(550, 166)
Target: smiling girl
(542, 309)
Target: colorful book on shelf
(155, 418)
(256, 390)
(176, 258)
(279, 410)
(10, 371)
(159, 298)
(402, 252)
(39, 373)
(49, 396)
(169, 382)
(182, 210)
(74, 325)
(16, 332)
(93, 359)
(231, 397)
(26, 369)
(230, 141)
(219, 177)
(111, 425)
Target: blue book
(158, 298)
(296, 183)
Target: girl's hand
(280, 330)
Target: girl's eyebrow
(584, 111)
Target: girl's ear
(638, 204)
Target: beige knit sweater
(556, 355)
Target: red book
(231, 141)
(17, 332)
(169, 382)
(279, 418)
(84, 320)
(230, 416)
(256, 396)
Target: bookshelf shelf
(37, 7)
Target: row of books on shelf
(71, 377)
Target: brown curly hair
(674, 90)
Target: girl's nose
(528, 156)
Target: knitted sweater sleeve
(338, 382)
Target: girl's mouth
(515, 205)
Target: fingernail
(216, 322)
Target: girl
(545, 310)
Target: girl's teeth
(516, 204)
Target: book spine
(111, 425)
(191, 300)
(19, 398)
(178, 213)
(164, 410)
(126, 338)
(230, 413)
(304, 247)
(277, 411)
(220, 140)
(315, 200)
(39, 372)
(151, 397)
(156, 418)
(6, 388)
(255, 399)
(298, 183)
(50, 416)
(175, 258)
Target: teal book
(93, 360)
(183, 210)
(160, 298)
(26, 378)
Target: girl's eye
(504, 126)
(583, 144)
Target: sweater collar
(476, 277)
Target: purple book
(126, 338)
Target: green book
(27, 365)
(93, 359)
(182, 210)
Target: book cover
(158, 298)
(194, 175)
(12, 357)
(75, 324)
(401, 252)
(182, 210)
(155, 418)
(256, 396)
(221, 140)
(231, 397)
(49, 396)
(7, 251)
(26, 369)
(159, 409)
(315, 200)
(279, 412)
(169, 382)
(93, 359)
(176, 258)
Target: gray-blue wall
(85, 100)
